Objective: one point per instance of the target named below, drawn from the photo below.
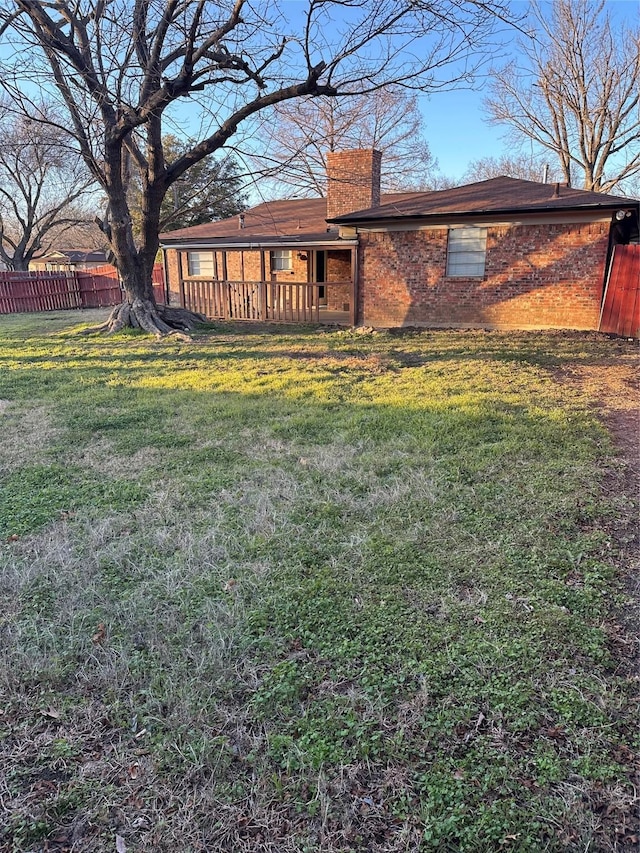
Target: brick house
(69, 259)
(497, 253)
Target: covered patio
(267, 281)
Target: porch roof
(301, 241)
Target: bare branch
(389, 120)
(123, 69)
(577, 93)
(40, 188)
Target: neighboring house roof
(494, 196)
(291, 220)
(75, 256)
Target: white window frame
(281, 260)
(200, 265)
(466, 252)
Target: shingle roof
(292, 218)
(496, 195)
(304, 219)
(76, 256)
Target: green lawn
(310, 590)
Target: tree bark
(158, 320)
(139, 309)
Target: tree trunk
(139, 309)
(135, 268)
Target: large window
(466, 252)
(200, 263)
(281, 260)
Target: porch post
(228, 303)
(181, 278)
(165, 272)
(312, 292)
(264, 303)
(353, 302)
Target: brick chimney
(353, 181)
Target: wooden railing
(285, 302)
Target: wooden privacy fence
(24, 292)
(285, 302)
(621, 305)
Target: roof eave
(510, 212)
(258, 243)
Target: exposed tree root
(159, 320)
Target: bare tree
(123, 67)
(212, 189)
(42, 189)
(577, 93)
(302, 132)
(529, 168)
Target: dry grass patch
(267, 598)
(28, 433)
(101, 456)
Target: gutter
(509, 213)
(210, 243)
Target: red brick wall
(338, 269)
(248, 261)
(299, 271)
(173, 276)
(239, 262)
(353, 181)
(536, 276)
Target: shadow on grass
(365, 606)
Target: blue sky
(457, 130)
(456, 125)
